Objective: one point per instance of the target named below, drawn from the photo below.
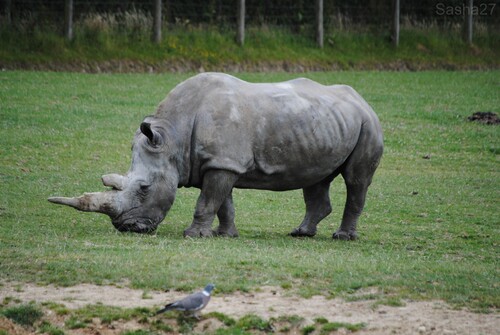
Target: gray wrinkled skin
(216, 132)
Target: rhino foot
(198, 232)
(345, 236)
(301, 232)
(232, 232)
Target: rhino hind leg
(355, 201)
(226, 218)
(357, 172)
(317, 199)
(216, 188)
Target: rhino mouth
(136, 225)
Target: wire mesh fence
(296, 15)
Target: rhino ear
(154, 137)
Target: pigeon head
(209, 288)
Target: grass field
(430, 229)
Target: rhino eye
(145, 187)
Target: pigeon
(192, 303)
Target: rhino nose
(141, 225)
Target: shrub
(25, 315)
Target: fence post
(319, 23)
(68, 20)
(8, 12)
(468, 22)
(241, 23)
(395, 23)
(157, 22)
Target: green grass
(39, 319)
(25, 315)
(191, 47)
(430, 229)
(50, 329)
(334, 326)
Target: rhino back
(275, 136)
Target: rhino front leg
(226, 218)
(317, 199)
(217, 186)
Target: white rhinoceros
(216, 132)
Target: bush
(25, 315)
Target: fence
(383, 15)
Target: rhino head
(138, 201)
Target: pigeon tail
(163, 310)
(170, 307)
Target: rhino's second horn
(115, 181)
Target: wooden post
(395, 23)
(8, 12)
(241, 23)
(319, 23)
(157, 22)
(468, 21)
(68, 20)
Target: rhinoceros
(216, 132)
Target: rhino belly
(290, 174)
(278, 181)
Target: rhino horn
(101, 202)
(115, 181)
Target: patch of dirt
(415, 317)
(11, 328)
(484, 117)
